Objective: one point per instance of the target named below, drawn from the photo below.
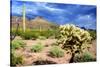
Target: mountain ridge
(35, 23)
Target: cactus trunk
(72, 58)
(24, 27)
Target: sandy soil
(93, 48)
(30, 57)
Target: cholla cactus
(73, 38)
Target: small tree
(74, 39)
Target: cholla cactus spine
(73, 38)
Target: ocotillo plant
(73, 39)
(24, 14)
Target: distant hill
(40, 22)
(14, 20)
(36, 23)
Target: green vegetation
(41, 37)
(16, 59)
(29, 35)
(55, 44)
(16, 44)
(56, 51)
(92, 34)
(74, 39)
(85, 57)
(37, 48)
(35, 33)
(70, 38)
(14, 32)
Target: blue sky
(80, 15)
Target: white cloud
(88, 18)
(34, 8)
(16, 9)
(33, 11)
(51, 8)
(47, 7)
(87, 21)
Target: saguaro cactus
(74, 39)
(24, 14)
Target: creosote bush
(37, 47)
(16, 44)
(56, 51)
(73, 38)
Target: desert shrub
(17, 33)
(46, 33)
(41, 37)
(16, 59)
(54, 33)
(92, 34)
(16, 44)
(34, 33)
(55, 44)
(74, 39)
(29, 35)
(37, 48)
(85, 57)
(12, 31)
(56, 51)
(57, 34)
